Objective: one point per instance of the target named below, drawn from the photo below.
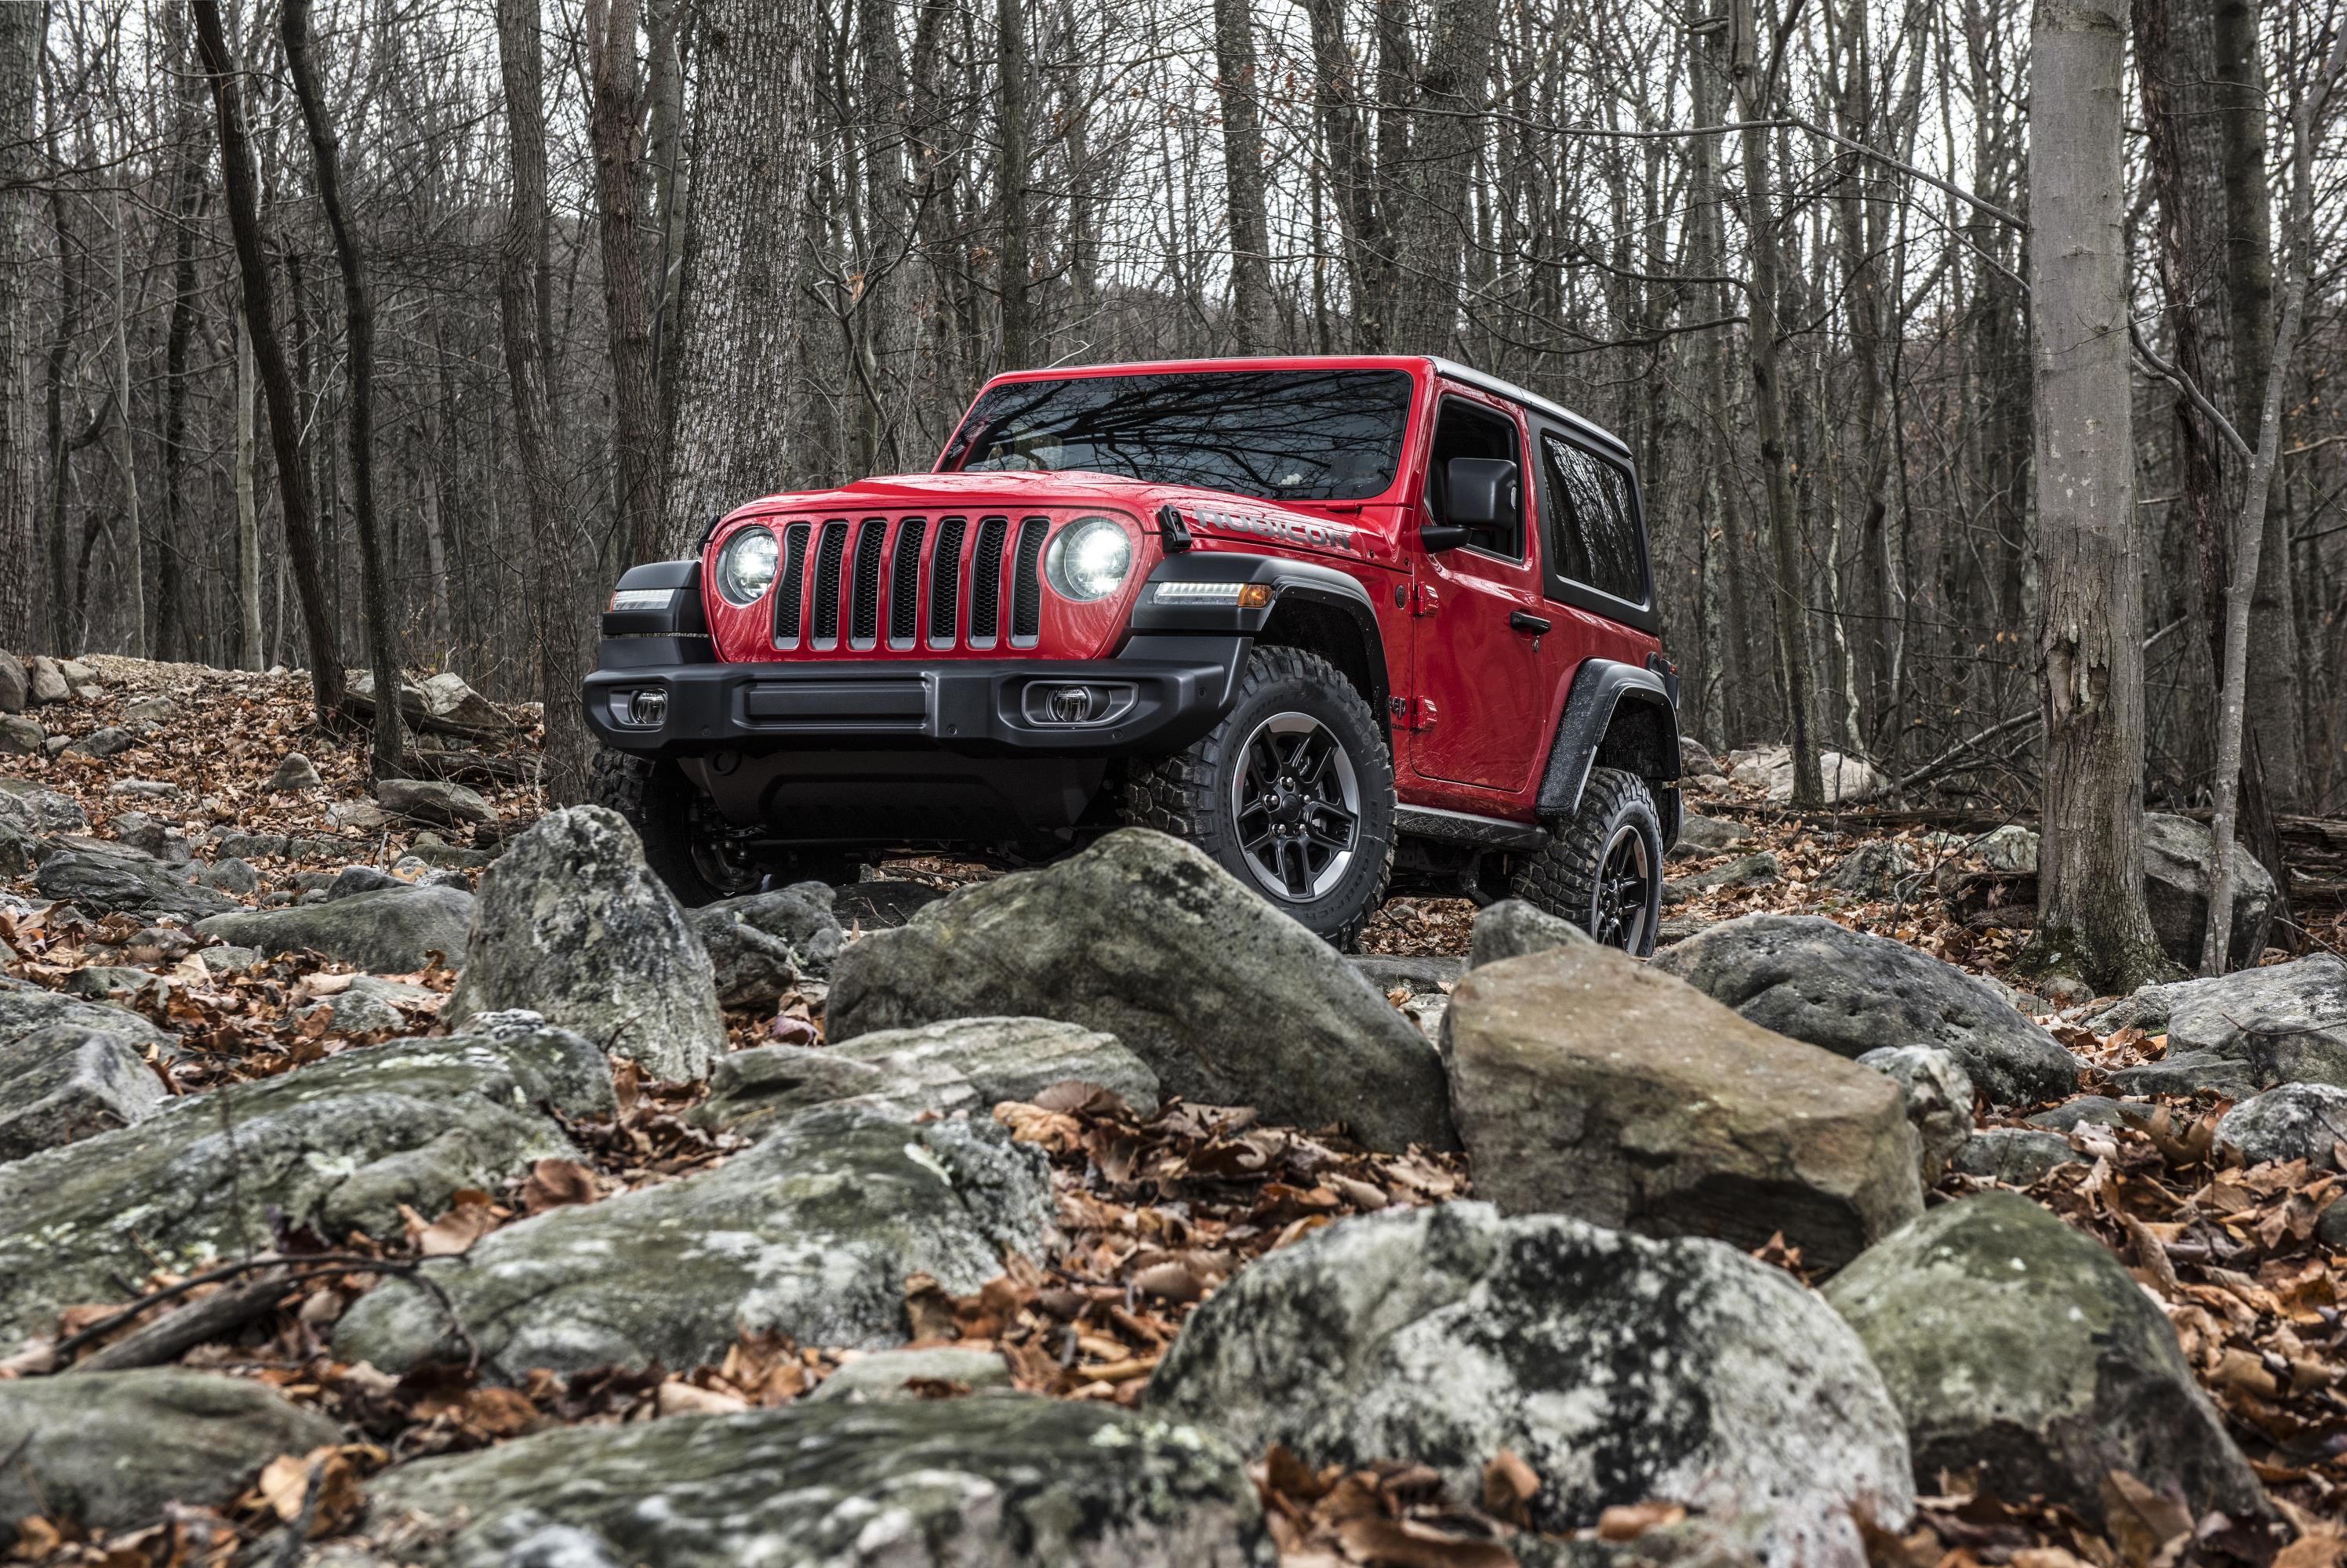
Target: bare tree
(1252, 310)
(2092, 920)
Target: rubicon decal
(1312, 532)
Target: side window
(1463, 429)
(1593, 530)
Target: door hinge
(1411, 713)
(1423, 599)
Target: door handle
(1530, 624)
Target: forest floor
(1154, 1212)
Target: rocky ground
(400, 1175)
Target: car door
(1483, 672)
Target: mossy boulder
(2018, 1346)
(762, 943)
(335, 1146)
(390, 930)
(111, 1450)
(2285, 1023)
(1623, 1370)
(811, 1234)
(1144, 938)
(1011, 1058)
(1513, 928)
(1000, 1479)
(66, 1082)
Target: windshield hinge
(1175, 532)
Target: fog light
(1090, 703)
(648, 709)
(1069, 704)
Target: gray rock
(105, 982)
(231, 876)
(810, 1233)
(393, 930)
(753, 1091)
(572, 924)
(448, 699)
(1939, 1097)
(249, 846)
(353, 879)
(2286, 1022)
(1875, 869)
(2016, 1157)
(1708, 835)
(1759, 870)
(107, 741)
(429, 848)
(1513, 928)
(1012, 1058)
(39, 811)
(227, 958)
(2011, 849)
(111, 1449)
(369, 1005)
(101, 878)
(2185, 1073)
(883, 1375)
(77, 673)
(2296, 1122)
(1850, 992)
(433, 800)
(26, 1009)
(2179, 862)
(954, 1484)
(1141, 935)
(1771, 769)
(48, 683)
(2018, 1346)
(1621, 1369)
(336, 1145)
(156, 710)
(1695, 760)
(20, 736)
(20, 852)
(1586, 1083)
(16, 690)
(64, 1082)
(297, 775)
(1419, 974)
(762, 943)
(882, 905)
(363, 815)
(164, 843)
(2090, 1111)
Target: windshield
(1282, 435)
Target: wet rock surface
(1142, 937)
(335, 1145)
(2018, 1347)
(571, 924)
(1586, 1083)
(1851, 992)
(1621, 1369)
(812, 1233)
(952, 1483)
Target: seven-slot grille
(835, 572)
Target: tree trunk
(614, 121)
(251, 654)
(1015, 265)
(2091, 917)
(358, 309)
(276, 375)
(1754, 94)
(1441, 184)
(734, 415)
(173, 632)
(22, 29)
(1253, 319)
(134, 537)
(561, 607)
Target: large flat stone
(63, 1084)
(391, 930)
(2286, 1023)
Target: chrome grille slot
(945, 581)
(790, 593)
(904, 583)
(1027, 583)
(829, 555)
(864, 608)
(985, 582)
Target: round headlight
(1089, 559)
(746, 567)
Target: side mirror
(1436, 537)
(1483, 492)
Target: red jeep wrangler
(1340, 622)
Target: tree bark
(561, 605)
(133, 543)
(615, 128)
(1015, 264)
(1254, 320)
(22, 30)
(1439, 186)
(2092, 920)
(276, 375)
(251, 653)
(734, 415)
(1753, 94)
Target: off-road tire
(1188, 794)
(657, 800)
(1565, 876)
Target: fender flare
(1291, 581)
(1601, 688)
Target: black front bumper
(1164, 692)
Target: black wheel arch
(1616, 716)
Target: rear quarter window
(1591, 519)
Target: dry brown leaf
(558, 1183)
(2142, 1522)
(1509, 1487)
(1629, 1520)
